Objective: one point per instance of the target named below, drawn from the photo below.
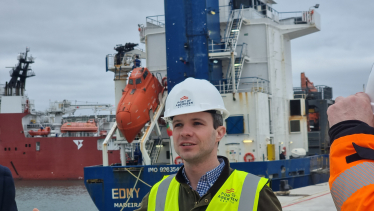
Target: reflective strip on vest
(240, 192)
(350, 181)
(154, 192)
(251, 192)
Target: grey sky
(71, 38)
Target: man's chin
(191, 158)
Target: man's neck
(195, 171)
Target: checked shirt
(208, 179)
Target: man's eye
(197, 123)
(177, 125)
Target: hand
(354, 107)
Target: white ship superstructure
(255, 56)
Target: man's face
(194, 137)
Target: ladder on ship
(153, 156)
(231, 42)
(238, 66)
(233, 30)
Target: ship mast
(19, 73)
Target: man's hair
(217, 118)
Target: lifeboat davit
(40, 132)
(89, 126)
(138, 98)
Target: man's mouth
(187, 144)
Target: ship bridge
(251, 41)
(243, 47)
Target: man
(205, 181)
(136, 62)
(352, 153)
(7, 190)
(282, 156)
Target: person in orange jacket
(352, 153)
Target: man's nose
(187, 131)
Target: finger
(340, 98)
(363, 95)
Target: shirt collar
(208, 179)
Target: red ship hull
(57, 158)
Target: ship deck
(310, 198)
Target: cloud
(340, 55)
(70, 40)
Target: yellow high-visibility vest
(240, 192)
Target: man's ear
(221, 131)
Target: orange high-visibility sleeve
(352, 183)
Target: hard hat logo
(191, 96)
(184, 102)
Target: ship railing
(109, 62)
(247, 84)
(300, 93)
(261, 10)
(29, 73)
(2, 89)
(37, 126)
(221, 47)
(155, 21)
(320, 162)
(217, 47)
(298, 17)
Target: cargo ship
(45, 145)
(243, 47)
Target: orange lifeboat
(138, 98)
(89, 126)
(40, 132)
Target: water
(50, 195)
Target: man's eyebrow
(199, 119)
(174, 121)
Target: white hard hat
(192, 96)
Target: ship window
(131, 82)
(138, 81)
(145, 74)
(25, 145)
(16, 148)
(295, 108)
(295, 126)
(37, 146)
(4, 149)
(29, 145)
